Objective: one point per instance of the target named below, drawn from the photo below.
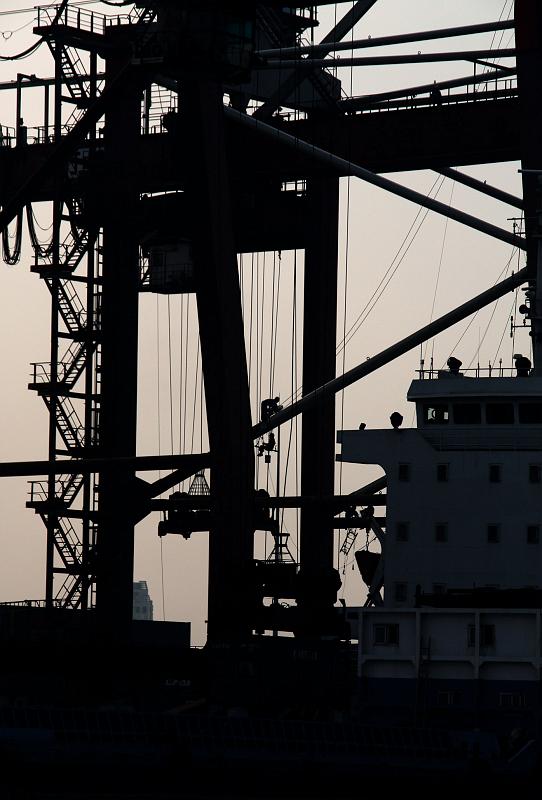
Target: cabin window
(441, 532)
(535, 473)
(533, 534)
(403, 473)
(487, 635)
(386, 634)
(467, 414)
(447, 699)
(402, 531)
(493, 534)
(443, 473)
(439, 588)
(436, 414)
(495, 473)
(401, 592)
(530, 413)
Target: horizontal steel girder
(411, 139)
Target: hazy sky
(465, 262)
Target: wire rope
(471, 321)
(42, 250)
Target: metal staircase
(74, 72)
(145, 16)
(72, 251)
(67, 487)
(68, 423)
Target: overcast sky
(465, 262)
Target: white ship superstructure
(455, 595)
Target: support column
(115, 546)
(231, 539)
(319, 360)
(52, 516)
(528, 17)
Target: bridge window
(467, 414)
(500, 414)
(436, 414)
(530, 413)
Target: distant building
(142, 603)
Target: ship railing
(89, 21)
(498, 89)
(204, 734)
(473, 372)
(38, 134)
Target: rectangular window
(401, 592)
(443, 473)
(533, 534)
(403, 472)
(386, 634)
(402, 531)
(487, 636)
(493, 534)
(500, 414)
(441, 532)
(535, 473)
(439, 588)
(512, 700)
(467, 414)
(530, 413)
(495, 473)
(445, 699)
(436, 414)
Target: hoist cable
(437, 281)
(194, 407)
(12, 257)
(41, 250)
(470, 322)
(170, 364)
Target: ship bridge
(456, 400)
